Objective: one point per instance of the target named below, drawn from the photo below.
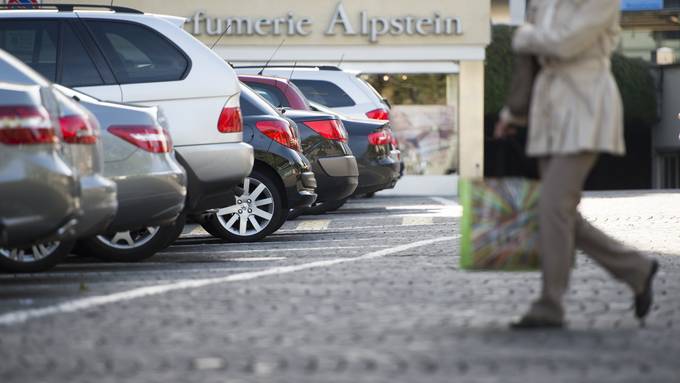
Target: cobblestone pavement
(371, 293)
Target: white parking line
(265, 250)
(96, 301)
(417, 221)
(313, 225)
(444, 201)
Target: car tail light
(331, 129)
(379, 138)
(281, 132)
(230, 120)
(78, 129)
(25, 125)
(151, 138)
(378, 114)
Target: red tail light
(153, 139)
(331, 129)
(78, 129)
(279, 131)
(230, 120)
(379, 138)
(378, 114)
(26, 125)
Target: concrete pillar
(452, 101)
(471, 119)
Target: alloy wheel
(252, 212)
(32, 254)
(130, 239)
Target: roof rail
(320, 67)
(71, 7)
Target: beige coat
(576, 105)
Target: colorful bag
(500, 224)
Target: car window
(271, 93)
(252, 104)
(324, 92)
(34, 43)
(137, 53)
(78, 69)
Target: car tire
(324, 207)
(250, 218)
(45, 256)
(132, 245)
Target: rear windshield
(325, 93)
(252, 104)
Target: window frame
(85, 22)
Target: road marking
(444, 201)
(96, 301)
(417, 221)
(314, 225)
(280, 249)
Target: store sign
(641, 5)
(340, 22)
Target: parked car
(139, 158)
(371, 141)
(281, 179)
(373, 145)
(82, 151)
(120, 54)
(324, 142)
(340, 90)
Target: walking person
(575, 114)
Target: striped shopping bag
(499, 226)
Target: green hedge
(632, 75)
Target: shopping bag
(499, 226)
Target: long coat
(576, 106)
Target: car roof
(263, 79)
(121, 15)
(15, 71)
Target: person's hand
(503, 130)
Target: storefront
(444, 37)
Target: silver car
(139, 157)
(39, 195)
(82, 150)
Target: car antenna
(341, 60)
(220, 38)
(291, 72)
(270, 58)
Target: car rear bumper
(99, 204)
(302, 194)
(160, 203)
(336, 177)
(39, 197)
(377, 175)
(213, 171)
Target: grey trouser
(562, 229)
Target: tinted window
(271, 93)
(78, 69)
(138, 54)
(253, 104)
(33, 42)
(324, 92)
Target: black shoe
(643, 301)
(528, 323)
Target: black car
(325, 143)
(373, 145)
(281, 180)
